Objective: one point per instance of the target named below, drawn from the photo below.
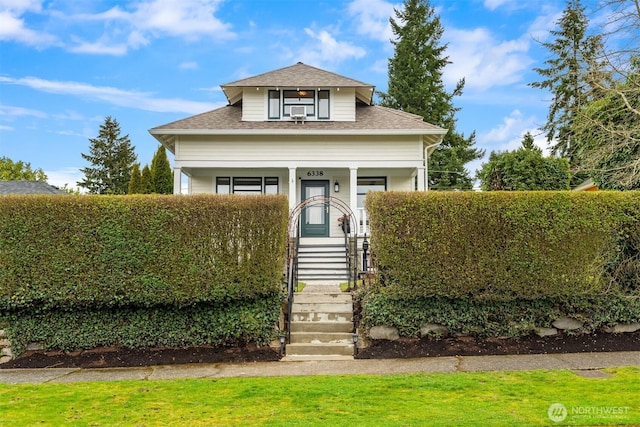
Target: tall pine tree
(416, 86)
(146, 182)
(573, 59)
(112, 157)
(135, 183)
(161, 174)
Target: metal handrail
(293, 244)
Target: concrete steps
(321, 325)
(322, 259)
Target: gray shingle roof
(370, 118)
(28, 187)
(297, 75)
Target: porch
(349, 184)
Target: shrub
(141, 271)
(503, 264)
(499, 246)
(484, 318)
(98, 251)
(223, 324)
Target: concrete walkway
(585, 364)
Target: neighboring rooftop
(28, 187)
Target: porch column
(292, 189)
(353, 189)
(421, 179)
(177, 181)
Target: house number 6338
(315, 173)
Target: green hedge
(484, 318)
(63, 252)
(504, 246)
(222, 324)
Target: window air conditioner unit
(298, 112)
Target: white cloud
(494, 4)
(326, 49)
(508, 135)
(7, 128)
(484, 61)
(372, 18)
(10, 111)
(70, 115)
(190, 65)
(510, 126)
(99, 47)
(540, 28)
(12, 25)
(124, 98)
(125, 30)
(69, 176)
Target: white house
(303, 132)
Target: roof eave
(168, 132)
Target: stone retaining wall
(6, 353)
(562, 323)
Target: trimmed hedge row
(221, 324)
(505, 246)
(483, 318)
(64, 252)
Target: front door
(315, 219)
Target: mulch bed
(110, 357)
(469, 346)
(382, 349)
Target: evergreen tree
(135, 183)
(16, 171)
(524, 169)
(161, 174)
(112, 157)
(609, 129)
(573, 59)
(146, 183)
(416, 86)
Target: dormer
(298, 93)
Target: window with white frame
(315, 102)
(366, 184)
(223, 185)
(274, 104)
(247, 185)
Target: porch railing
(363, 222)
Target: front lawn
(461, 399)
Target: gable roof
(298, 75)
(370, 119)
(28, 187)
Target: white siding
(269, 148)
(344, 105)
(253, 105)
(202, 184)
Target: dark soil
(382, 349)
(469, 346)
(110, 357)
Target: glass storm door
(315, 219)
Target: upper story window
(306, 98)
(274, 104)
(315, 102)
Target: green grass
(461, 399)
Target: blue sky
(67, 64)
